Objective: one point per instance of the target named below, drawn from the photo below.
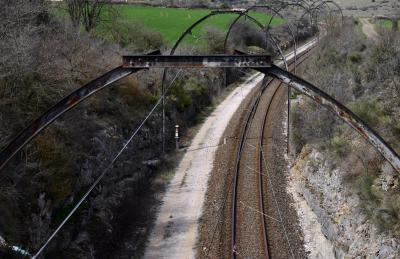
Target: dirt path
(369, 29)
(176, 229)
(175, 232)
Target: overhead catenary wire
(210, 242)
(107, 168)
(96, 182)
(277, 207)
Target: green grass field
(385, 24)
(171, 22)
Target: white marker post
(177, 136)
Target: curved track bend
(251, 190)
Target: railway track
(249, 232)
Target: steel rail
(249, 118)
(260, 177)
(338, 109)
(261, 160)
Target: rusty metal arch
(266, 28)
(178, 42)
(318, 4)
(310, 12)
(339, 110)
(66, 104)
(283, 7)
(306, 10)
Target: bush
(132, 95)
(180, 97)
(225, 6)
(189, 93)
(355, 58)
(215, 39)
(133, 35)
(371, 112)
(55, 158)
(365, 182)
(296, 134)
(340, 146)
(387, 216)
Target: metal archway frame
(318, 4)
(179, 41)
(266, 28)
(306, 88)
(66, 104)
(339, 110)
(59, 109)
(89, 89)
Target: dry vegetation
(42, 60)
(366, 77)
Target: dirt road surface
(369, 29)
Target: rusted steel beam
(60, 108)
(340, 110)
(63, 106)
(171, 61)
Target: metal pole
(177, 136)
(288, 122)
(163, 117)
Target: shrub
(189, 93)
(371, 112)
(355, 58)
(132, 95)
(247, 34)
(132, 35)
(215, 39)
(56, 159)
(225, 6)
(340, 145)
(387, 216)
(180, 97)
(365, 182)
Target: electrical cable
(107, 168)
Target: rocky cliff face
(332, 210)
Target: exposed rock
(338, 209)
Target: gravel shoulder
(176, 229)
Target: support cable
(109, 166)
(96, 182)
(277, 206)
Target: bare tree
(74, 8)
(88, 13)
